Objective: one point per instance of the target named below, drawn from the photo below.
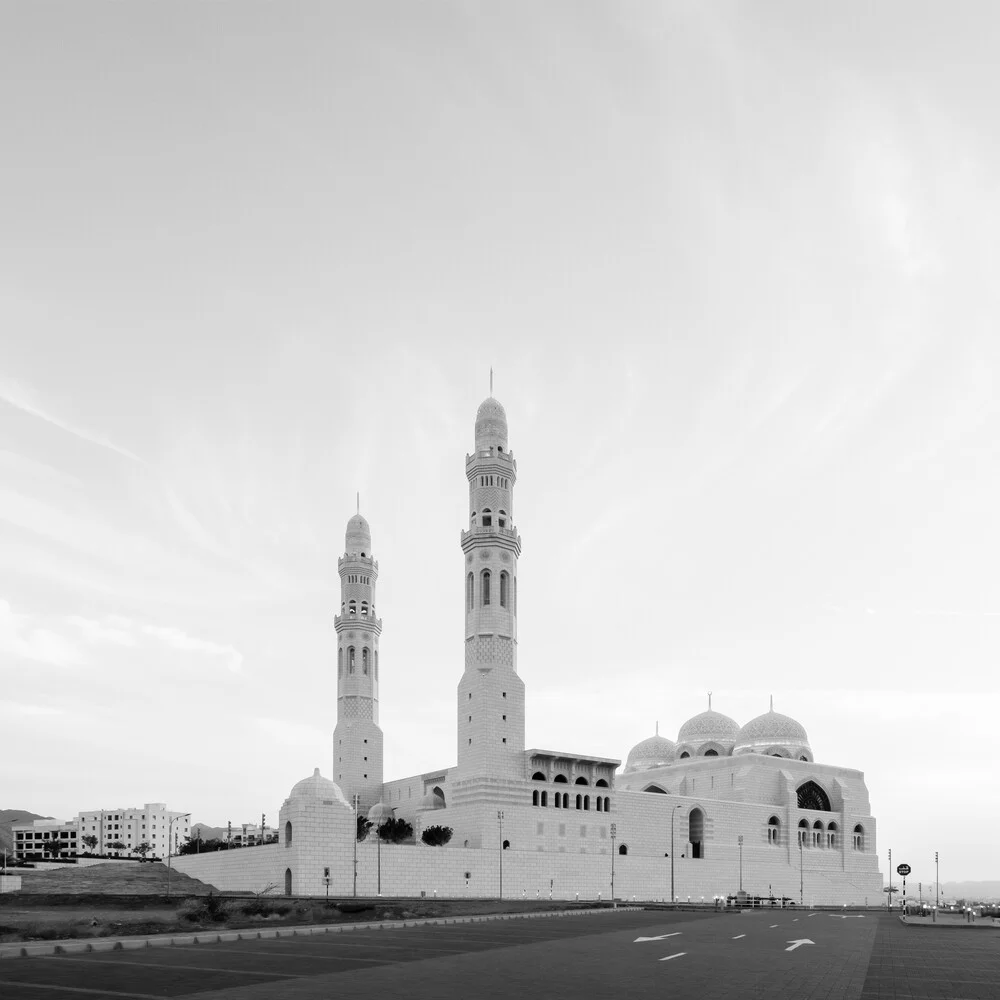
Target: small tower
(490, 693)
(357, 739)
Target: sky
(734, 268)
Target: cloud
(20, 636)
(34, 711)
(177, 639)
(96, 632)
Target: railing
(480, 530)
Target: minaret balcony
(483, 533)
(355, 559)
(348, 621)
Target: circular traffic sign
(903, 870)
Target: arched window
(468, 592)
(534, 797)
(340, 662)
(487, 517)
(560, 778)
(350, 659)
(685, 754)
(364, 661)
(601, 783)
(288, 833)
(586, 803)
(502, 519)
(773, 826)
(803, 832)
(831, 835)
(352, 608)
(811, 796)
(859, 838)
(623, 848)
(472, 520)
(711, 753)
(817, 834)
(288, 881)
(558, 800)
(581, 781)
(696, 833)
(598, 804)
(506, 844)
(364, 609)
(503, 590)
(655, 788)
(343, 606)
(485, 599)
(545, 798)
(538, 776)
(579, 802)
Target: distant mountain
(211, 832)
(9, 816)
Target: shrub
(395, 831)
(437, 836)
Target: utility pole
(937, 881)
(614, 831)
(740, 838)
(500, 822)
(889, 907)
(355, 843)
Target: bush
(395, 831)
(437, 836)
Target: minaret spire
(710, 701)
(657, 728)
(772, 702)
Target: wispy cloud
(95, 632)
(178, 639)
(22, 636)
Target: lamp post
(673, 812)
(889, 904)
(614, 831)
(801, 875)
(740, 839)
(355, 843)
(937, 881)
(500, 822)
(170, 844)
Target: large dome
(707, 727)
(318, 787)
(776, 734)
(358, 537)
(491, 425)
(652, 752)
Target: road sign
(903, 870)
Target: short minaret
(357, 739)
(490, 693)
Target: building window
(623, 848)
(803, 833)
(773, 826)
(831, 836)
(545, 798)
(364, 609)
(811, 796)
(468, 592)
(350, 659)
(502, 519)
(487, 518)
(485, 600)
(364, 661)
(503, 590)
(288, 833)
(535, 797)
(859, 838)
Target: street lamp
(801, 889)
(672, 814)
(500, 822)
(170, 844)
(740, 839)
(614, 831)
(937, 881)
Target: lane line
(77, 989)
(738, 936)
(678, 955)
(196, 968)
(773, 926)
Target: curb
(953, 927)
(78, 946)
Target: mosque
(723, 806)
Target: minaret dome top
(358, 537)
(491, 425)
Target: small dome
(358, 537)
(652, 752)
(709, 727)
(379, 813)
(318, 787)
(491, 425)
(773, 730)
(431, 801)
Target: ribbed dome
(431, 801)
(318, 787)
(709, 727)
(773, 730)
(491, 425)
(652, 752)
(358, 537)
(379, 813)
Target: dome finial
(657, 728)
(491, 380)
(772, 702)
(710, 701)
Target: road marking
(798, 943)
(678, 955)
(796, 920)
(659, 937)
(79, 989)
(812, 914)
(849, 916)
(738, 936)
(773, 926)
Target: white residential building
(151, 823)
(44, 839)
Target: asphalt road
(778, 954)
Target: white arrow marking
(738, 936)
(812, 914)
(659, 937)
(678, 955)
(798, 943)
(849, 916)
(773, 926)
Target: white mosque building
(686, 818)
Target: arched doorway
(288, 881)
(696, 833)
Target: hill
(9, 816)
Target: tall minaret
(490, 694)
(357, 739)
